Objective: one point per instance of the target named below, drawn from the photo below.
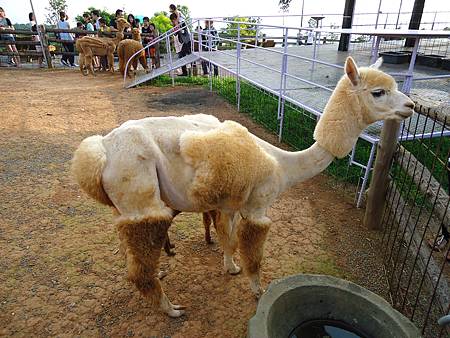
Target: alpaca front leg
(251, 237)
(111, 62)
(81, 63)
(88, 63)
(143, 240)
(226, 232)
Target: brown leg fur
(88, 62)
(207, 219)
(251, 238)
(111, 61)
(168, 246)
(144, 240)
(226, 232)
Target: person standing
(210, 33)
(36, 38)
(96, 19)
(113, 23)
(87, 22)
(66, 59)
(182, 40)
(133, 24)
(5, 23)
(174, 10)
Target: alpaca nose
(410, 104)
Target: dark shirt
(113, 23)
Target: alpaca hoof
(233, 270)
(175, 313)
(259, 293)
(162, 274)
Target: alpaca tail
(87, 167)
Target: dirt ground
(60, 274)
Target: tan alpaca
(89, 46)
(127, 48)
(148, 168)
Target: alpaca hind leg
(88, 63)
(226, 232)
(168, 246)
(251, 237)
(133, 188)
(207, 219)
(144, 239)
(81, 63)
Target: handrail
(160, 38)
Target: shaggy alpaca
(127, 48)
(89, 46)
(148, 168)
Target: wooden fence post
(44, 37)
(379, 183)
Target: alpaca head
(122, 24)
(136, 34)
(377, 93)
(362, 96)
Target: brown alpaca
(208, 218)
(89, 46)
(127, 48)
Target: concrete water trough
(304, 306)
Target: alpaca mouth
(404, 114)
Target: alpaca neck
(342, 122)
(336, 133)
(119, 36)
(302, 165)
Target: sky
(17, 10)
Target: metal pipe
(282, 87)
(366, 174)
(39, 32)
(238, 68)
(398, 16)
(409, 77)
(169, 52)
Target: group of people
(93, 22)
(182, 39)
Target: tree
(284, 5)
(246, 29)
(55, 6)
(161, 21)
(186, 13)
(103, 14)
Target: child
(103, 28)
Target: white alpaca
(148, 168)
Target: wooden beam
(379, 184)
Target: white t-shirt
(64, 36)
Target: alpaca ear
(351, 69)
(377, 63)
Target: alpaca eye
(378, 93)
